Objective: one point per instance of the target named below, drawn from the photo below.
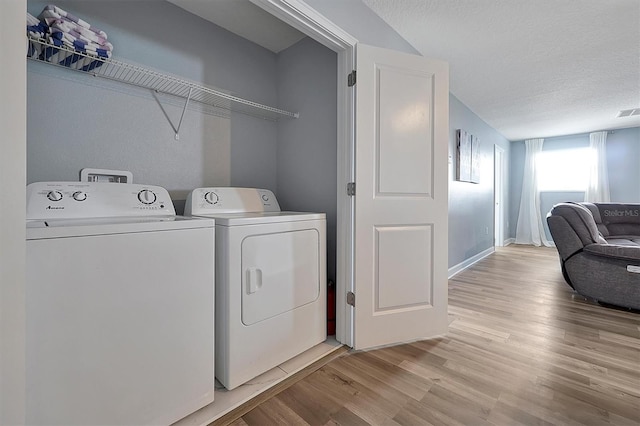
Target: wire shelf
(41, 50)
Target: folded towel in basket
(71, 29)
(32, 20)
(75, 43)
(57, 13)
(35, 29)
(72, 38)
(66, 26)
(91, 49)
(70, 59)
(53, 54)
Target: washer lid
(60, 228)
(236, 219)
(76, 200)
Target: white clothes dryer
(119, 306)
(270, 280)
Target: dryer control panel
(79, 200)
(207, 201)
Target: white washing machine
(270, 280)
(119, 296)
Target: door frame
(310, 22)
(498, 196)
(13, 87)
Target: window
(564, 170)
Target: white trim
(509, 241)
(498, 197)
(228, 400)
(474, 259)
(307, 20)
(345, 226)
(304, 18)
(13, 119)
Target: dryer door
(280, 272)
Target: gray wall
(126, 129)
(623, 161)
(307, 147)
(78, 121)
(471, 216)
(75, 121)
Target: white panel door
(402, 126)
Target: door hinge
(351, 79)
(351, 299)
(351, 189)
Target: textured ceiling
(531, 68)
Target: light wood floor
(522, 348)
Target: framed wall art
(468, 157)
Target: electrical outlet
(486, 230)
(104, 175)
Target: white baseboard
(465, 264)
(509, 241)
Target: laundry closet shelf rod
(42, 51)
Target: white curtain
(530, 229)
(598, 185)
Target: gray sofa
(599, 248)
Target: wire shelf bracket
(186, 103)
(41, 50)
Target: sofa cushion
(581, 220)
(595, 212)
(626, 252)
(624, 240)
(615, 219)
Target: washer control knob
(211, 198)
(79, 196)
(147, 196)
(265, 198)
(54, 195)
